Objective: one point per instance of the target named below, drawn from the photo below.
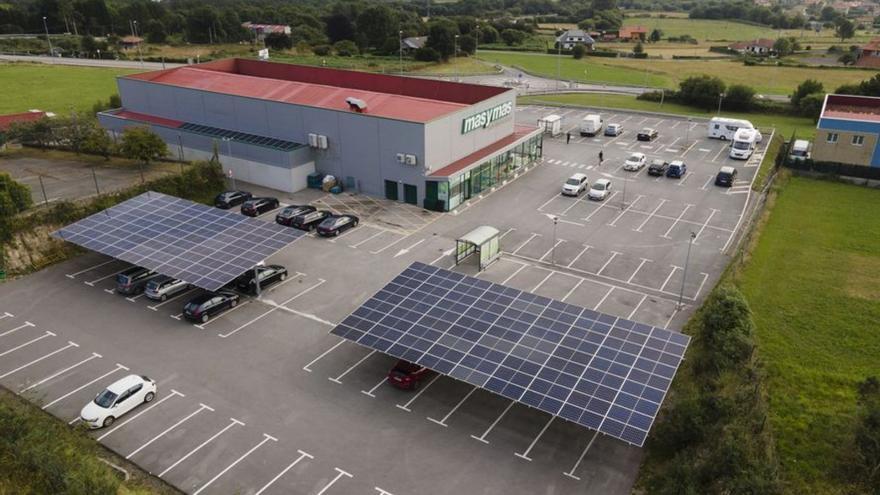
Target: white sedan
(118, 399)
(635, 162)
(600, 190)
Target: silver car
(161, 288)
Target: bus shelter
(483, 241)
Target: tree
(441, 37)
(844, 29)
(600, 5)
(426, 54)
(811, 105)
(655, 36)
(639, 48)
(578, 51)
(512, 36)
(488, 34)
(805, 88)
(607, 20)
(867, 436)
(278, 41)
(339, 27)
(155, 31)
(345, 48)
(19, 195)
(739, 97)
(376, 23)
(726, 340)
(782, 47)
(97, 142)
(142, 144)
(847, 58)
(701, 91)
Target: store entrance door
(411, 194)
(391, 190)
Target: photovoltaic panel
(603, 372)
(205, 246)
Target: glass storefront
(446, 196)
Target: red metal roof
(520, 132)
(395, 97)
(7, 120)
(151, 119)
(864, 108)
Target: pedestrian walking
(601, 157)
(567, 137)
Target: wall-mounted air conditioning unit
(322, 142)
(411, 159)
(313, 140)
(401, 158)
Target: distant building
(633, 33)
(869, 54)
(849, 131)
(761, 46)
(260, 31)
(6, 121)
(129, 42)
(572, 37)
(413, 43)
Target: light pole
(687, 132)
(553, 250)
(477, 41)
(720, 98)
(558, 62)
(400, 49)
(46, 27)
(455, 56)
(229, 154)
(685, 273)
(623, 202)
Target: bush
(279, 41)
(16, 197)
(701, 91)
(726, 339)
(739, 97)
(346, 48)
(142, 144)
(513, 37)
(867, 436)
(426, 54)
(322, 50)
(578, 52)
(655, 96)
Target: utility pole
(685, 274)
(400, 49)
(46, 27)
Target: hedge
(834, 168)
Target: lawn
(784, 124)
(812, 283)
(55, 88)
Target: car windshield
(740, 145)
(724, 175)
(799, 153)
(634, 158)
(657, 163)
(572, 182)
(105, 399)
(599, 187)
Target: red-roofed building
(869, 54)
(6, 121)
(379, 134)
(632, 33)
(849, 131)
(260, 31)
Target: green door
(391, 190)
(411, 194)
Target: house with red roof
(869, 54)
(632, 33)
(849, 131)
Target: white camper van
(724, 129)
(551, 124)
(591, 125)
(800, 151)
(744, 142)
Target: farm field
(812, 286)
(55, 88)
(784, 124)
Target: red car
(406, 375)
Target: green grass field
(55, 88)
(784, 124)
(720, 30)
(587, 69)
(812, 283)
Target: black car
(726, 176)
(309, 221)
(658, 167)
(134, 280)
(257, 206)
(228, 199)
(337, 224)
(203, 307)
(286, 216)
(269, 274)
(647, 134)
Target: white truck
(800, 151)
(744, 142)
(724, 128)
(591, 125)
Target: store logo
(486, 117)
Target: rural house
(572, 37)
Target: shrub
(321, 50)
(16, 196)
(739, 97)
(513, 37)
(578, 52)
(701, 91)
(279, 41)
(426, 54)
(346, 48)
(142, 144)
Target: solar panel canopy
(205, 246)
(603, 372)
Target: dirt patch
(863, 281)
(32, 250)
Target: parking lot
(261, 399)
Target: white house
(573, 37)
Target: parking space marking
(445, 254)
(678, 219)
(706, 185)
(201, 408)
(405, 407)
(370, 392)
(603, 204)
(573, 204)
(303, 314)
(674, 268)
(610, 290)
(155, 307)
(368, 239)
(586, 247)
(554, 196)
(644, 260)
(644, 296)
(718, 154)
(526, 242)
(338, 379)
(136, 416)
(482, 438)
(685, 179)
(442, 422)
(382, 492)
(552, 249)
(525, 455)
(625, 210)
(272, 309)
(206, 442)
(332, 482)
(651, 215)
(521, 268)
(549, 274)
(7, 314)
(389, 245)
(41, 337)
(328, 351)
(302, 455)
(135, 298)
(340, 236)
(578, 284)
(703, 227)
(91, 283)
(702, 283)
(571, 471)
(265, 439)
(96, 380)
(408, 249)
(25, 325)
(614, 254)
(58, 373)
(35, 361)
(73, 275)
(689, 148)
(201, 326)
(110, 291)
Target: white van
(724, 128)
(551, 124)
(800, 151)
(591, 125)
(744, 143)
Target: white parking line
(136, 416)
(703, 227)
(688, 149)
(96, 380)
(610, 290)
(718, 154)
(708, 181)
(389, 245)
(382, 492)
(644, 260)
(586, 247)
(613, 255)
(685, 179)
(675, 310)
(513, 274)
(604, 204)
(370, 392)
(265, 439)
(135, 298)
(41, 337)
(408, 248)
(680, 215)
(368, 239)
(25, 325)
(644, 296)
(328, 351)
(442, 422)
(405, 407)
(338, 379)
(482, 438)
(651, 215)
(302, 455)
(549, 251)
(206, 442)
(156, 307)
(332, 482)
(702, 283)
(674, 268)
(60, 372)
(578, 284)
(35, 361)
(240, 305)
(525, 455)
(549, 274)
(201, 408)
(274, 308)
(73, 275)
(571, 471)
(7, 314)
(91, 283)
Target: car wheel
(109, 420)
(205, 318)
(233, 303)
(149, 397)
(724, 138)
(355, 224)
(283, 276)
(311, 228)
(163, 297)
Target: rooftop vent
(356, 104)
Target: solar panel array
(602, 372)
(216, 132)
(202, 245)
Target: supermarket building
(426, 142)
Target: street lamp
(400, 49)
(46, 27)
(685, 273)
(229, 154)
(553, 250)
(558, 61)
(455, 55)
(623, 202)
(720, 98)
(687, 132)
